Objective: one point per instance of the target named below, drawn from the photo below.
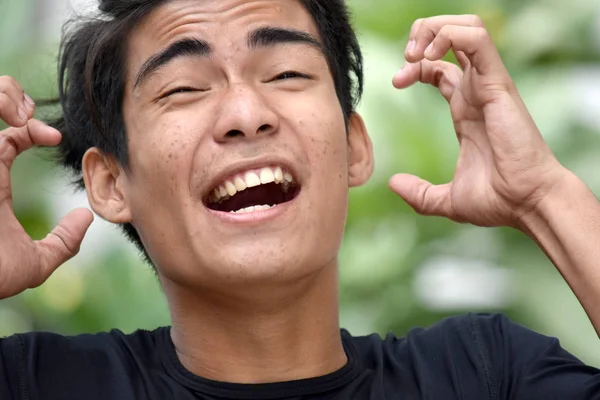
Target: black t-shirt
(479, 357)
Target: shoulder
(459, 334)
(454, 353)
(490, 341)
(85, 345)
(461, 342)
(481, 335)
(508, 359)
(40, 361)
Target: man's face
(233, 102)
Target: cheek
(159, 162)
(161, 154)
(327, 157)
(321, 129)
(329, 150)
(159, 193)
(329, 203)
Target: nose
(244, 112)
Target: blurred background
(398, 270)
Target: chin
(269, 261)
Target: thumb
(64, 241)
(424, 197)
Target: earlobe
(360, 152)
(105, 187)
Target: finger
(12, 113)
(14, 141)
(462, 59)
(64, 242)
(437, 35)
(412, 35)
(475, 43)
(424, 31)
(424, 197)
(443, 75)
(16, 108)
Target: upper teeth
(249, 179)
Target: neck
(264, 334)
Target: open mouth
(254, 190)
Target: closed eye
(290, 75)
(182, 89)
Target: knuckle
(416, 27)
(4, 100)
(425, 24)
(7, 81)
(63, 234)
(475, 20)
(7, 108)
(6, 143)
(418, 22)
(483, 35)
(429, 30)
(445, 31)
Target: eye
(290, 75)
(183, 89)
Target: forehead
(222, 23)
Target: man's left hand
(504, 166)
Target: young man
(222, 136)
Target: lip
(241, 166)
(256, 217)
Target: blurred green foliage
(398, 270)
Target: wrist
(563, 196)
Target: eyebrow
(261, 37)
(268, 36)
(181, 48)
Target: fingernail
(29, 101)
(26, 105)
(22, 114)
(410, 47)
(429, 50)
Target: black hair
(92, 73)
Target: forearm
(566, 225)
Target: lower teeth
(251, 209)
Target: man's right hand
(27, 263)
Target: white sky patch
(454, 284)
(585, 84)
(60, 11)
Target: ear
(360, 152)
(104, 183)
